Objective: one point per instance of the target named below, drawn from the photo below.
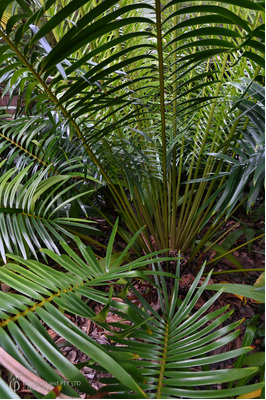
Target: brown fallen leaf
(52, 333)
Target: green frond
(177, 348)
(29, 212)
(43, 142)
(165, 350)
(42, 290)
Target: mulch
(243, 307)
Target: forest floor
(244, 308)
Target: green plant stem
(236, 271)
(200, 220)
(230, 137)
(236, 248)
(178, 229)
(194, 201)
(162, 109)
(88, 239)
(184, 207)
(220, 237)
(211, 231)
(145, 219)
(174, 186)
(163, 364)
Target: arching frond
(30, 212)
(40, 290)
(161, 353)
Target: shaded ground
(252, 311)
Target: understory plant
(162, 352)
(149, 111)
(153, 100)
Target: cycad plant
(137, 96)
(136, 110)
